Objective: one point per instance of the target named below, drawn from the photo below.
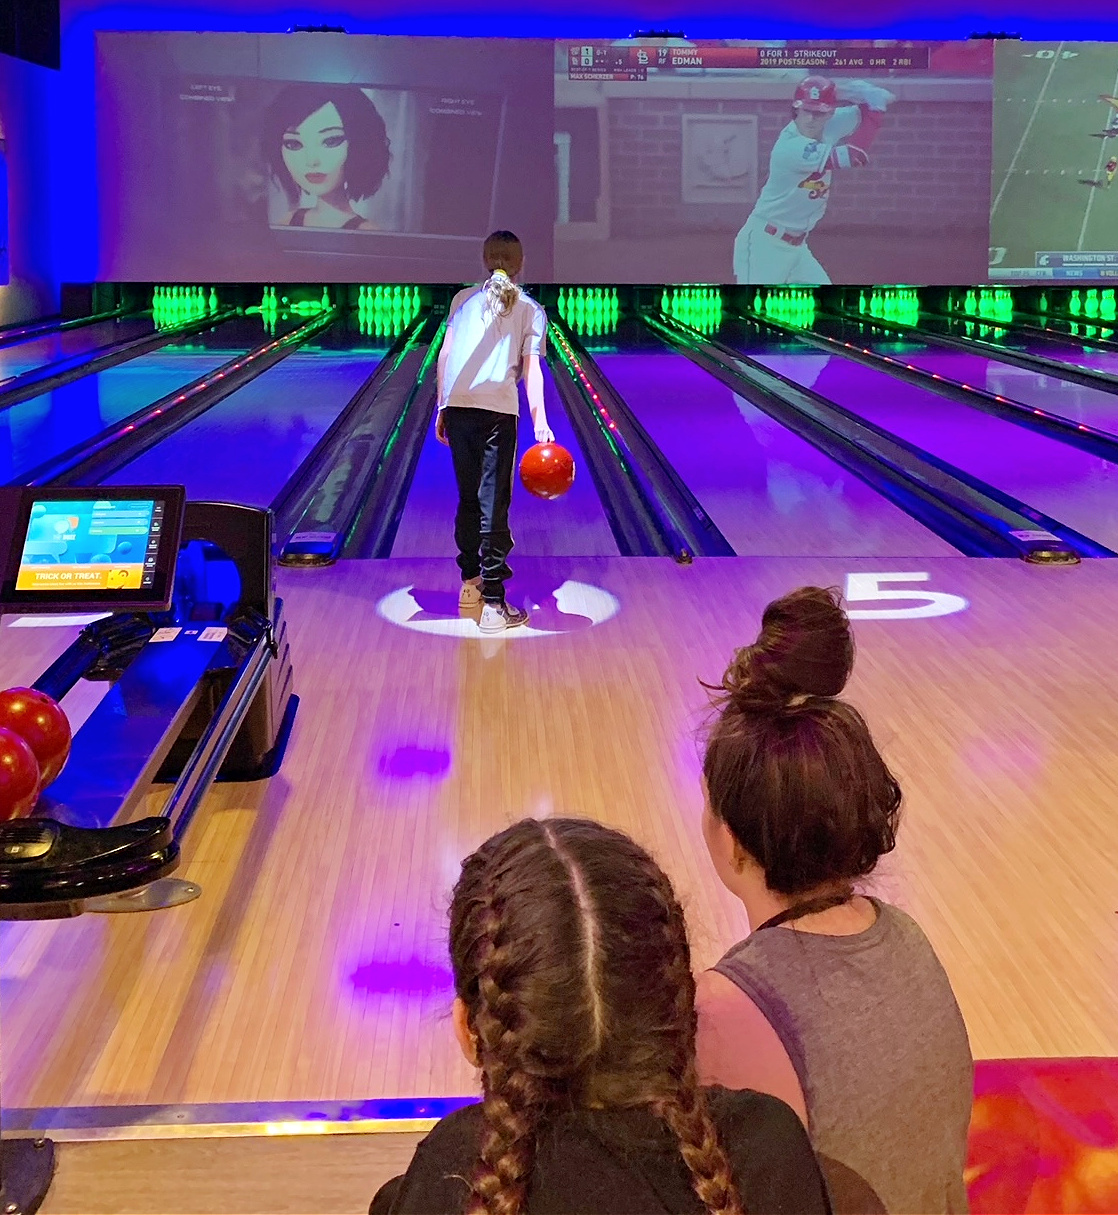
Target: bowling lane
(1074, 401)
(1102, 360)
(246, 447)
(768, 491)
(46, 425)
(1078, 489)
(572, 526)
(50, 347)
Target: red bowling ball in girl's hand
(20, 780)
(547, 470)
(41, 723)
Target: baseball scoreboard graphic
(786, 163)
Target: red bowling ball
(41, 723)
(547, 470)
(20, 780)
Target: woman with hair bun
(835, 1002)
(575, 999)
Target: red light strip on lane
(202, 385)
(576, 367)
(1040, 413)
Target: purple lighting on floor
(408, 763)
(413, 976)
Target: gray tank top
(873, 1030)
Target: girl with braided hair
(836, 1003)
(575, 999)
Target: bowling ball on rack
(547, 470)
(20, 779)
(39, 720)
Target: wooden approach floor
(313, 967)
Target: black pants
(483, 444)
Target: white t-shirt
(487, 351)
(795, 195)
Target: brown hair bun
(790, 767)
(805, 648)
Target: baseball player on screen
(772, 244)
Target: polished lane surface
(38, 429)
(1080, 403)
(246, 447)
(768, 491)
(1072, 486)
(50, 347)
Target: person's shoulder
(532, 311)
(460, 297)
(758, 1130)
(460, 1126)
(791, 146)
(746, 1111)
(894, 920)
(436, 1179)
(451, 1145)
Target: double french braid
(685, 1109)
(570, 954)
(514, 1100)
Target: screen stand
(166, 892)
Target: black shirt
(623, 1162)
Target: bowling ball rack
(200, 690)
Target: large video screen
(319, 157)
(334, 158)
(736, 162)
(1053, 212)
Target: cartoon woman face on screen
(327, 147)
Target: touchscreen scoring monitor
(113, 548)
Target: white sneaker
(496, 617)
(469, 597)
